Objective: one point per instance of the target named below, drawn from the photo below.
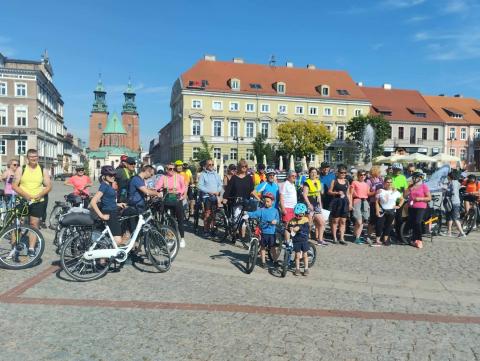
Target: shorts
(113, 223)
(36, 209)
(210, 202)
(454, 214)
(289, 215)
(339, 208)
(361, 214)
(301, 246)
(191, 193)
(267, 240)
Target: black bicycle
(217, 218)
(471, 220)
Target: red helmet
(269, 195)
(123, 158)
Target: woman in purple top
(418, 195)
(7, 177)
(375, 183)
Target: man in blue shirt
(326, 178)
(210, 186)
(137, 189)
(268, 186)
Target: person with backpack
(452, 205)
(124, 172)
(33, 183)
(312, 190)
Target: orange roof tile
(403, 104)
(299, 82)
(466, 106)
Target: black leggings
(415, 221)
(178, 211)
(383, 225)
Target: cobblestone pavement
(358, 303)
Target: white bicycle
(87, 255)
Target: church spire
(100, 105)
(129, 105)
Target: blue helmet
(300, 208)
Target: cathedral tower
(98, 116)
(130, 119)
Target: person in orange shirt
(472, 191)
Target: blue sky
(429, 45)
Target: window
(452, 152)
(265, 130)
(326, 156)
(98, 164)
(20, 89)
(463, 154)
(463, 133)
(342, 92)
(217, 128)
(327, 112)
(476, 133)
(281, 88)
(234, 129)
(358, 112)
(255, 86)
(339, 156)
(249, 154)
(235, 84)
(21, 147)
(217, 105)
(325, 90)
(3, 147)
(299, 109)
(217, 153)
(250, 129)
(451, 134)
(413, 135)
(312, 110)
(424, 133)
(3, 117)
(435, 133)
(341, 132)
(196, 104)
(282, 109)
(196, 150)
(233, 154)
(400, 132)
(265, 108)
(21, 118)
(250, 107)
(196, 127)
(234, 107)
(341, 112)
(3, 89)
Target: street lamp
(18, 135)
(237, 139)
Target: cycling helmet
(300, 208)
(418, 175)
(471, 178)
(260, 166)
(269, 195)
(160, 169)
(107, 170)
(232, 167)
(397, 166)
(123, 158)
(270, 171)
(178, 162)
(79, 168)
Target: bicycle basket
(250, 205)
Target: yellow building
(228, 103)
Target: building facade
(31, 112)
(228, 103)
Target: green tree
(261, 147)
(356, 129)
(303, 138)
(205, 151)
(86, 165)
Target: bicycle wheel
(469, 221)
(73, 262)
(157, 251)
(55, 215)
(286, 261)
(221, 225)
(312, 255)
(405, 233)
(171, 237)
(14, 247)
(252, 255)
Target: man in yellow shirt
(260, 176)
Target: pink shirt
(420, 191)
(360, 191)
(9, 181)
(169, 181)
(79, 182)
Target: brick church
(99, 118)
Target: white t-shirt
(289, 194)
(388, 199)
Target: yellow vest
(32, 180)
(314, 188)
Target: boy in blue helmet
(299, 229)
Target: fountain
(368, 139)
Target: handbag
(171, 199)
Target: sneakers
(31, 253)
(296, 272)
(359, 241)
(322, 243)
(376, 244)
(418, 244)
(12, 254)
(342, 241)
(182, 243)
(445, 234)
(262, 265)
(462, 235)
(306, 272)
(334, 241)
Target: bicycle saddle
(76, 219)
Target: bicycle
(471, 219)
(87, 258)
(60, 208)
(15, 239)
(164, 217)
(217, 217)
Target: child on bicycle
(268, 217)
(299, 231)
(107, 197)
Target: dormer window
(383, 110)
(234, 84)
(454, 113)
(280, 87)
(324, 90)
(342, 92)
(255, 86)
(418, 112)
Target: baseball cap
(324, 165)
(270, 171)
(130, 160)
(123, 158)
(261, 167)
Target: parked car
(62, 176)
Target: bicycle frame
(92, 253)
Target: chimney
(458, 95)
(209, 57)
(360, 83)
(387, 86)
(238, 60)
(310, 66)
(441, 95)
(289, 64)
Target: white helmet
(160, 169)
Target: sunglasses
(209, 164)
(362, 175)
(15, 164)
(342, 172)
(170, 168)
(244, 166)
(388, 182)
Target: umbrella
(446, 158)
(265, 160)
(304, 163)
(310, 164)
(280, 163)
(381, 159)
(315, 163)
(292, 163)
(221, 170)
(393, 158)
(255, 161)
(416, 158)
(215, 163)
